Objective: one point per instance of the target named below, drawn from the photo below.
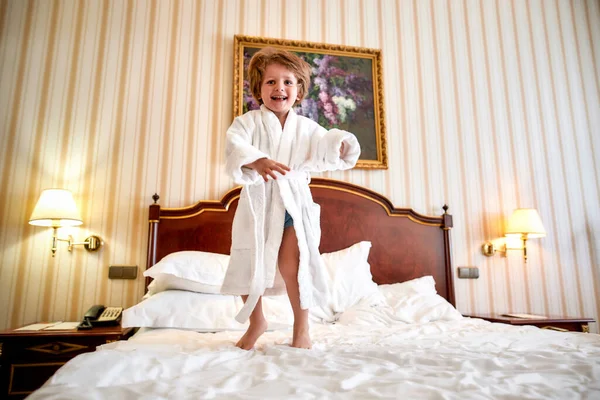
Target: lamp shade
(525, 221)
(55, 208)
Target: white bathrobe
(304, 146)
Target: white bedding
(364, 355)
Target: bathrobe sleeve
(240, 151)
(325, 150)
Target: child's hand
(342, 149)
(267, 167)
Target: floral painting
(345, 92)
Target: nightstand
(556, 323)
(29, 358)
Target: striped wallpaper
(491, 105)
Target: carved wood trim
(57, 348)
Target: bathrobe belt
(293, 176)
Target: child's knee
(288, 269)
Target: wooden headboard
(406, 245)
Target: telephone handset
(99, 315)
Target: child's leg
(258, 326)
(289, 257)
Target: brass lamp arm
(91, 243)
(489, 249)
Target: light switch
(468, 272)
(122, 271)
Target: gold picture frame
(349, 78)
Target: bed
(391, 330)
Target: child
(276, 229)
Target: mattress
(363, 355)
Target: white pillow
(350, 281)
(201, 312)
(417, 301)
(424, 285)
(171, 282)
(195, 271)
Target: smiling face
(279, 90)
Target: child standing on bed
(276, 229)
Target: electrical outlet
(122, 271)
(468, 272)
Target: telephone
(99, 315)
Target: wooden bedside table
(563, 324)
(29, 358)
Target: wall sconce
(524, 224)
(56, 208)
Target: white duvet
(364, 355)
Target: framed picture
(346, 90)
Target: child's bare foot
(301, 339)
(252, 334)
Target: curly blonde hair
(269, 55)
